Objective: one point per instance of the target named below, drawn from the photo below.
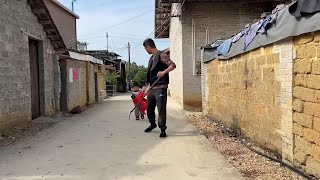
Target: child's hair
(136, 84)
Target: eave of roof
(40, 10)
(65, 8)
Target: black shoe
(137, 118)
(150, 128)
(163, 134)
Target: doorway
(34, 73)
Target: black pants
(157, 98)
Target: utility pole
(107, 34)
(73, 5)
(129, 59)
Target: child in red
(136, 91)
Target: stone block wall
(101, 73)
(48, 72)
(306, 103)
(77, 88)
(252, 94)
(271, 95)
(78, 91)
(92, 84)
(17, 25)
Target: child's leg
(137, 113)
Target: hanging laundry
(304, 7)
(262, 25)
(217, 43)
(237, 36)
(271, 18)
(252, 33)
(278, 8)
(267, 22)
(224, 48)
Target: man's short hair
(149, 42)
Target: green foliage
(121, 84)
(111, 78)
(141, 77)
(138, 74)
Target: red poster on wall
(75, 74)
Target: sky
(124, 20)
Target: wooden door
(96, 87)
(34, 71)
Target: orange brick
(303, 119)
(311, 135)
(313, 81)
(302, 66)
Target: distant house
(66, 22)
(192, 24)
(81, 75)
(111, 60)
(82, 46)
(121, 67)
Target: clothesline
(285, 21)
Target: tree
(138, 73)
(140, 77)
(111, 78)
(121, 84)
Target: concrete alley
(101, 143)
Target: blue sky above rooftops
(125, 21)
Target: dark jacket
(156, 65)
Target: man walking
(159, 66)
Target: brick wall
(204, 87)
(306, 104)
(17, 24)
(206, 16)
(252, 94)
(272, 96)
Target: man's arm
(165, 59)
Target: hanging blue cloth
(237, 36)
(224, 48)
(252, 33)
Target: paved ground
(103, 144)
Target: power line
(112, 26)
(162, 31)
(130, 19)
(111, 35)
(164, 23)
(109, 27)
(154, 31)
